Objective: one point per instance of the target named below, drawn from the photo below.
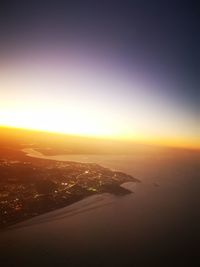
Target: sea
(155, 225)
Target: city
(32, 187)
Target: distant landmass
(55, 143)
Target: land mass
(32, 186)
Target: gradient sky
(120, 69)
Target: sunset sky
(123, 72)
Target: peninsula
(32, 186)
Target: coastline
(30, 152)
(86, 204)
(97, 182)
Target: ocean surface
(153, 226)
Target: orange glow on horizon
(158, 141)
(89, 100)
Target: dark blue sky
(157, 36)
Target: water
(151, 225)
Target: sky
(113, 69)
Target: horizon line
(114, 139)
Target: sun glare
(90, 100)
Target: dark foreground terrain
(31, 187)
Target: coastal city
(32, 187)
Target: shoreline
(30, 152)
(114, 183)
(72, 209)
